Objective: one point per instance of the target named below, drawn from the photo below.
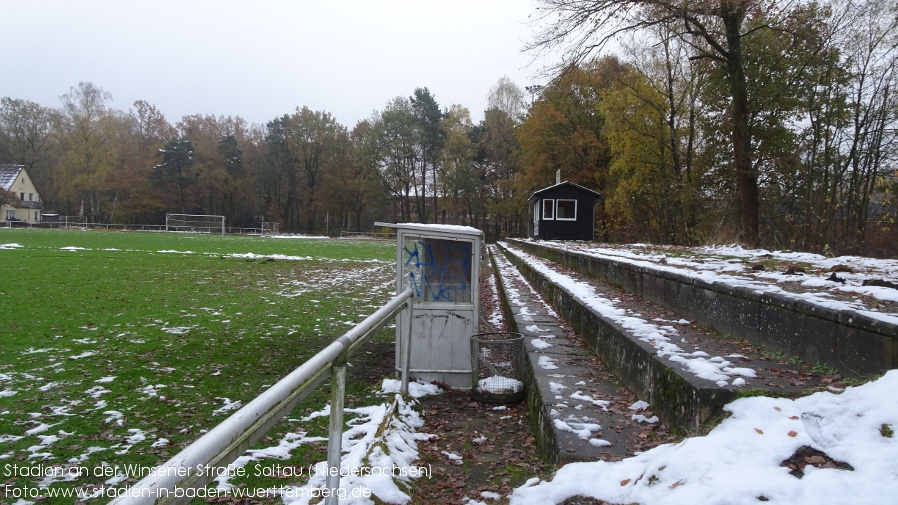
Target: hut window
(548, 210)
(566, 210)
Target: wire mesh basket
(497, 367)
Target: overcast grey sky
(259, 59)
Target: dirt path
(477, 448)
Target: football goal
(57, 221)
(269, 228)
(195, 223)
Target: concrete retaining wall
(853, 343)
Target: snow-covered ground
(379, 453)
(741, 460)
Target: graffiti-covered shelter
(441, 263)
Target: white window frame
(558, 206)
(550, 207)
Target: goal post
(195, 223)
(269, 228)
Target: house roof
(9, 174)
(565, 183)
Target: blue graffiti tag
(439, 270)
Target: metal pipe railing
(200, 462)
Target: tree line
(753, 121)
(413, 161)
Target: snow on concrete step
(579, 412)
(686, 372)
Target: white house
(14, 178)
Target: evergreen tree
(176, 168)
(431, 140)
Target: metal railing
(199, 463)
(101, 226)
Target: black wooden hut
(565, 211)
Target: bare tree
(869, 143)
(507, 97)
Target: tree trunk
(746, 176)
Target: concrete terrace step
(687, 373)
(857, 343)
(578, 409)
